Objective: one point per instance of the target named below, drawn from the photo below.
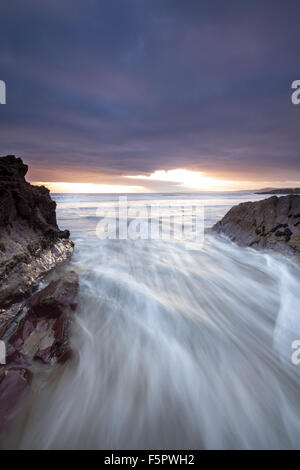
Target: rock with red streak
(31, 245)
(44, 333)
(39, 330)
(57, 298)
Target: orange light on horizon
(89, 188)
(178, 179)
(198, 181)
(194, 180)
(186, 179)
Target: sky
(151, 95)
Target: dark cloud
(130, 86)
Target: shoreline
(34, 324)
(38, 325)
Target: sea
(175, 345)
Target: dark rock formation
(271, 223)
(31, 243)
(39, 330)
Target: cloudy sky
(152, 95)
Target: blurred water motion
(174, 348)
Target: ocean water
(175, 346)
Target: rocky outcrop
(31, 243)
(34, 326)
(39, 329)
(272, 223)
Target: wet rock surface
(272, 223)
(32, 326)
(39, 329)
(31, 243)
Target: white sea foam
(174, 348)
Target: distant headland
(279, 191)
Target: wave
(174, 348)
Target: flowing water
(174, 347)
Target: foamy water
(173, 347)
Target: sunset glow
(198, 181)
(195, 180)
(178, 179)
(89, 188)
